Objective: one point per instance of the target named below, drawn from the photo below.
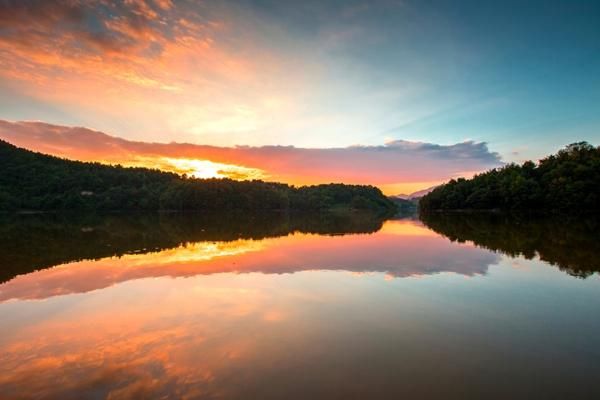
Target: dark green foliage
(567, 181)
(337, 195)
(566, 241)
(33, 181)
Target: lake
(329, 306)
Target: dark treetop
(34, 181)
(567, 182)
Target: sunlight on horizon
(197, 168)
(209, 169)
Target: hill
(38, 182)
(415, 195)
(565, 182)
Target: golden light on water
(190, 252)
(405, 229)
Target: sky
(403, 94)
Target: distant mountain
(415, 195)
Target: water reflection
(569, 243)
(207, 307)
(400, 248)
(32, 242)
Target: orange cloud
(398, 166)
(172, 68)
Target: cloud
(215, 72)
(83, 28)
(180, 65)
(395, 163)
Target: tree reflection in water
(570, 243)
(32, 242)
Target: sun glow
(210, 169)
(198, 168)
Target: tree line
(34, 181)
(566, 182)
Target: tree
(567, 181)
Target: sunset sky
(402, 94)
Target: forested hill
(568, 181)
(34, 181)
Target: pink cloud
(395, 163)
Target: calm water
(301, 307)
